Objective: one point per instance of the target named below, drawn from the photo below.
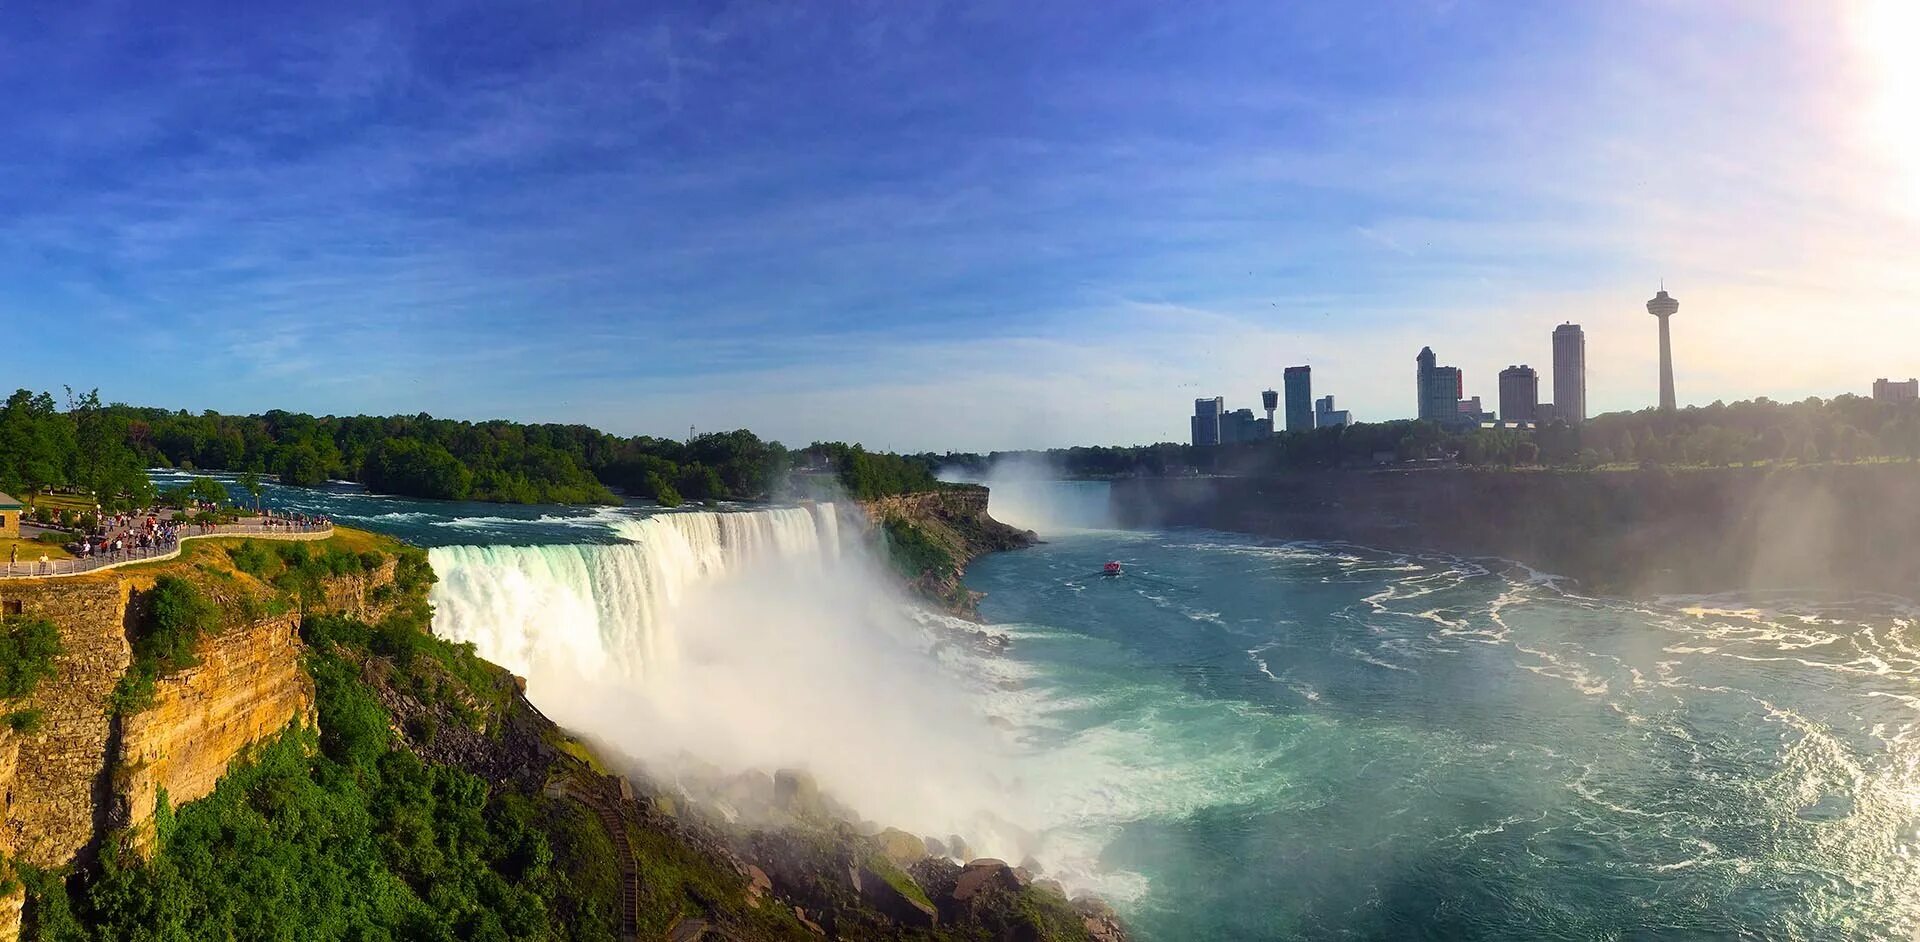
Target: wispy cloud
(850, 221)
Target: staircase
(600, 796)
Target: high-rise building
(1299, 385)
(1570, 373)
(1519, 393)
(1271, 400)
(1440, 388)
(1326, 416)
(1239, 426)
(1206, 420)
(1664, 306)
(1896, 392)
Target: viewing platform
(100, 562)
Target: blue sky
(929, 225)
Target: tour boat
(1112, 569)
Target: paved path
(58, 568)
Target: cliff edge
(931, 536)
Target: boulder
(812, 926)
(796, 793)
(935, 847)
(986, 874)
(958, 849)
(1051, 886)
(688, 930)
(891, 901)
(900, 847)
(1099, 919)
(758, 885)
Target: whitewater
(1243, 738)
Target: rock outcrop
(954, 522)
(53, 780)
(248, 686)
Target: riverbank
(1642, 532)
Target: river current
(1249, 739)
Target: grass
(58, 502)
(30, 550)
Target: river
(1242, 738)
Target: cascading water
(745, 641)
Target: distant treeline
(80, 443)
(1842, 429)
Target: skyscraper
(1440, 389)
(1206, 420)
(1570, 373)
(1519, 393)
(1299, 384)
(1664, 306)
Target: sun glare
(1886, 33)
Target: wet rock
(1051, 886)
(688, 930)
(936, 847)
(891, 901)
(797, 793)
(812, 926)
(986, 874)
(1101, 923)
(1031, 865)
(957, 848)
(758, 885)
(900, 847)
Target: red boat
(1111, 569)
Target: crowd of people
(155, 532)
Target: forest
(80, 444)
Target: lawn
(30, 550)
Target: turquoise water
(1308, 742)
(1245, 739)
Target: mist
(1031, 492)
(697, 656)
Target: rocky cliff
(931, 537)
(1841, 528)
(83, 769)
(53, 780)
(248, 686)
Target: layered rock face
(248, 686)
(954, 519)
(52, 779)
(1842, 527)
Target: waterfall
(606, 610)
(728, 642)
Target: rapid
(1242, 738)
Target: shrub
(251, 558)
(24, 721)
(28, 647)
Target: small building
(10, 510)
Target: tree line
(79, 443)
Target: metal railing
(44, 568)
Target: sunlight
(1885, 33)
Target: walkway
(58, 568)
(599, 795)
